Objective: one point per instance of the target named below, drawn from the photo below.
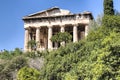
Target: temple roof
(53, 12)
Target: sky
(12, 11)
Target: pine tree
(108, 7)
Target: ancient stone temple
(41, 26)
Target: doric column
(50, 45)
(62, 29)
(86, 30)
(38, 38)
(26, 39)
(30, 38)
(75, 33)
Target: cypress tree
(108, 7)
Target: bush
(111, 21)
(10, 68)
(5, 55)
(10, 54)
(26, 73)
(33, 54)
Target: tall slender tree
(108, 7)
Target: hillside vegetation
(95, 58)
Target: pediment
(55, 11)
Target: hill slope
(94, 58)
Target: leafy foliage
(10, 54)
(32, 44)
(26, 73)
(95, 58)
(108, 7)
(10, 67)
(60, 37)
(12, 61)
(112, 21)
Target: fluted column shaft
(38, 38)
(62, 30)
(86, 30)
(26, 48)
(75, 33)
(50, 45)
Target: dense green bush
(34, 54)
(27, 73)
(5, 55)
(10, 54)
(111, 21)
(10, 67)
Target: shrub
(5, 55)
(26, 73)
(10, 54)
(111, 21)
(10, 68)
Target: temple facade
(41, 26)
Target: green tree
(108, 7)
(60, 37)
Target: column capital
(86, 24)
(38, 27)
(50, 26)
(62, 28)
(75, 25)
(27, 28)
(62, 25)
